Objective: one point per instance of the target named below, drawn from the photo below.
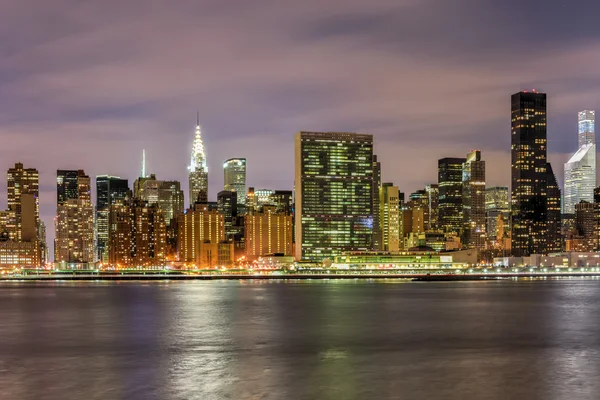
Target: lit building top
(198, 159)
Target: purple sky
(89, 84)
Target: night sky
(89, 84)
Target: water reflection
(300, 340)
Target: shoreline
(214, 277)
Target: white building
(580, 170)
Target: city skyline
(77, 95)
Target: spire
(198, 159)
(144, 163)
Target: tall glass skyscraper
(529, 205)
(450, 177)
(234, 171)
(109, 190)
(198, 170)
(580, 170)
(334, 194)
(474, 200)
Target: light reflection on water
(300, 340)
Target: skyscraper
(198, 170)
(580, 170)
(137, 234)
(22, 181)
(66, 185)
(234, 171)
(377, 229)
(433, 193)
(450, 214)
(334, 193)
(389, 209)
(529, 205)
(474, 201)
(553, 216)
(109, 190)
(496, 204)
(227, 206)
(74, 223)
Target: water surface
(300, 340)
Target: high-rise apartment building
(22, 181)
(529, 205)
(580, 170)
(473, 178)
(167, 194)
(198, 170)
(234, 171)
(109, 190)
(197, 226)
(450, 203)
(137, 234)
(74, 224)
(268, 232)
(389, 217)
(334, 193)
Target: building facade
(74, 224)
(109, 190)
(334, 194)
(450, 212)
(198, 170)
(268, 232)
(137, 235)
(474, 232)
(22, 181)
(529, 206)
(496, 204)
(389, 217)
(196, 226)
(580, 170)
(234, 171)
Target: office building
(74, 224)
(198, 170)
(227, 205)
(529, 206)
(474, 233)
(234, 171)
(450, 212)
(268, 232)
(334, 194)
(580, 170)
(389, 217)
(109, 190)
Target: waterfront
(337, 339)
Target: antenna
(197, 118)
(143, 163)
